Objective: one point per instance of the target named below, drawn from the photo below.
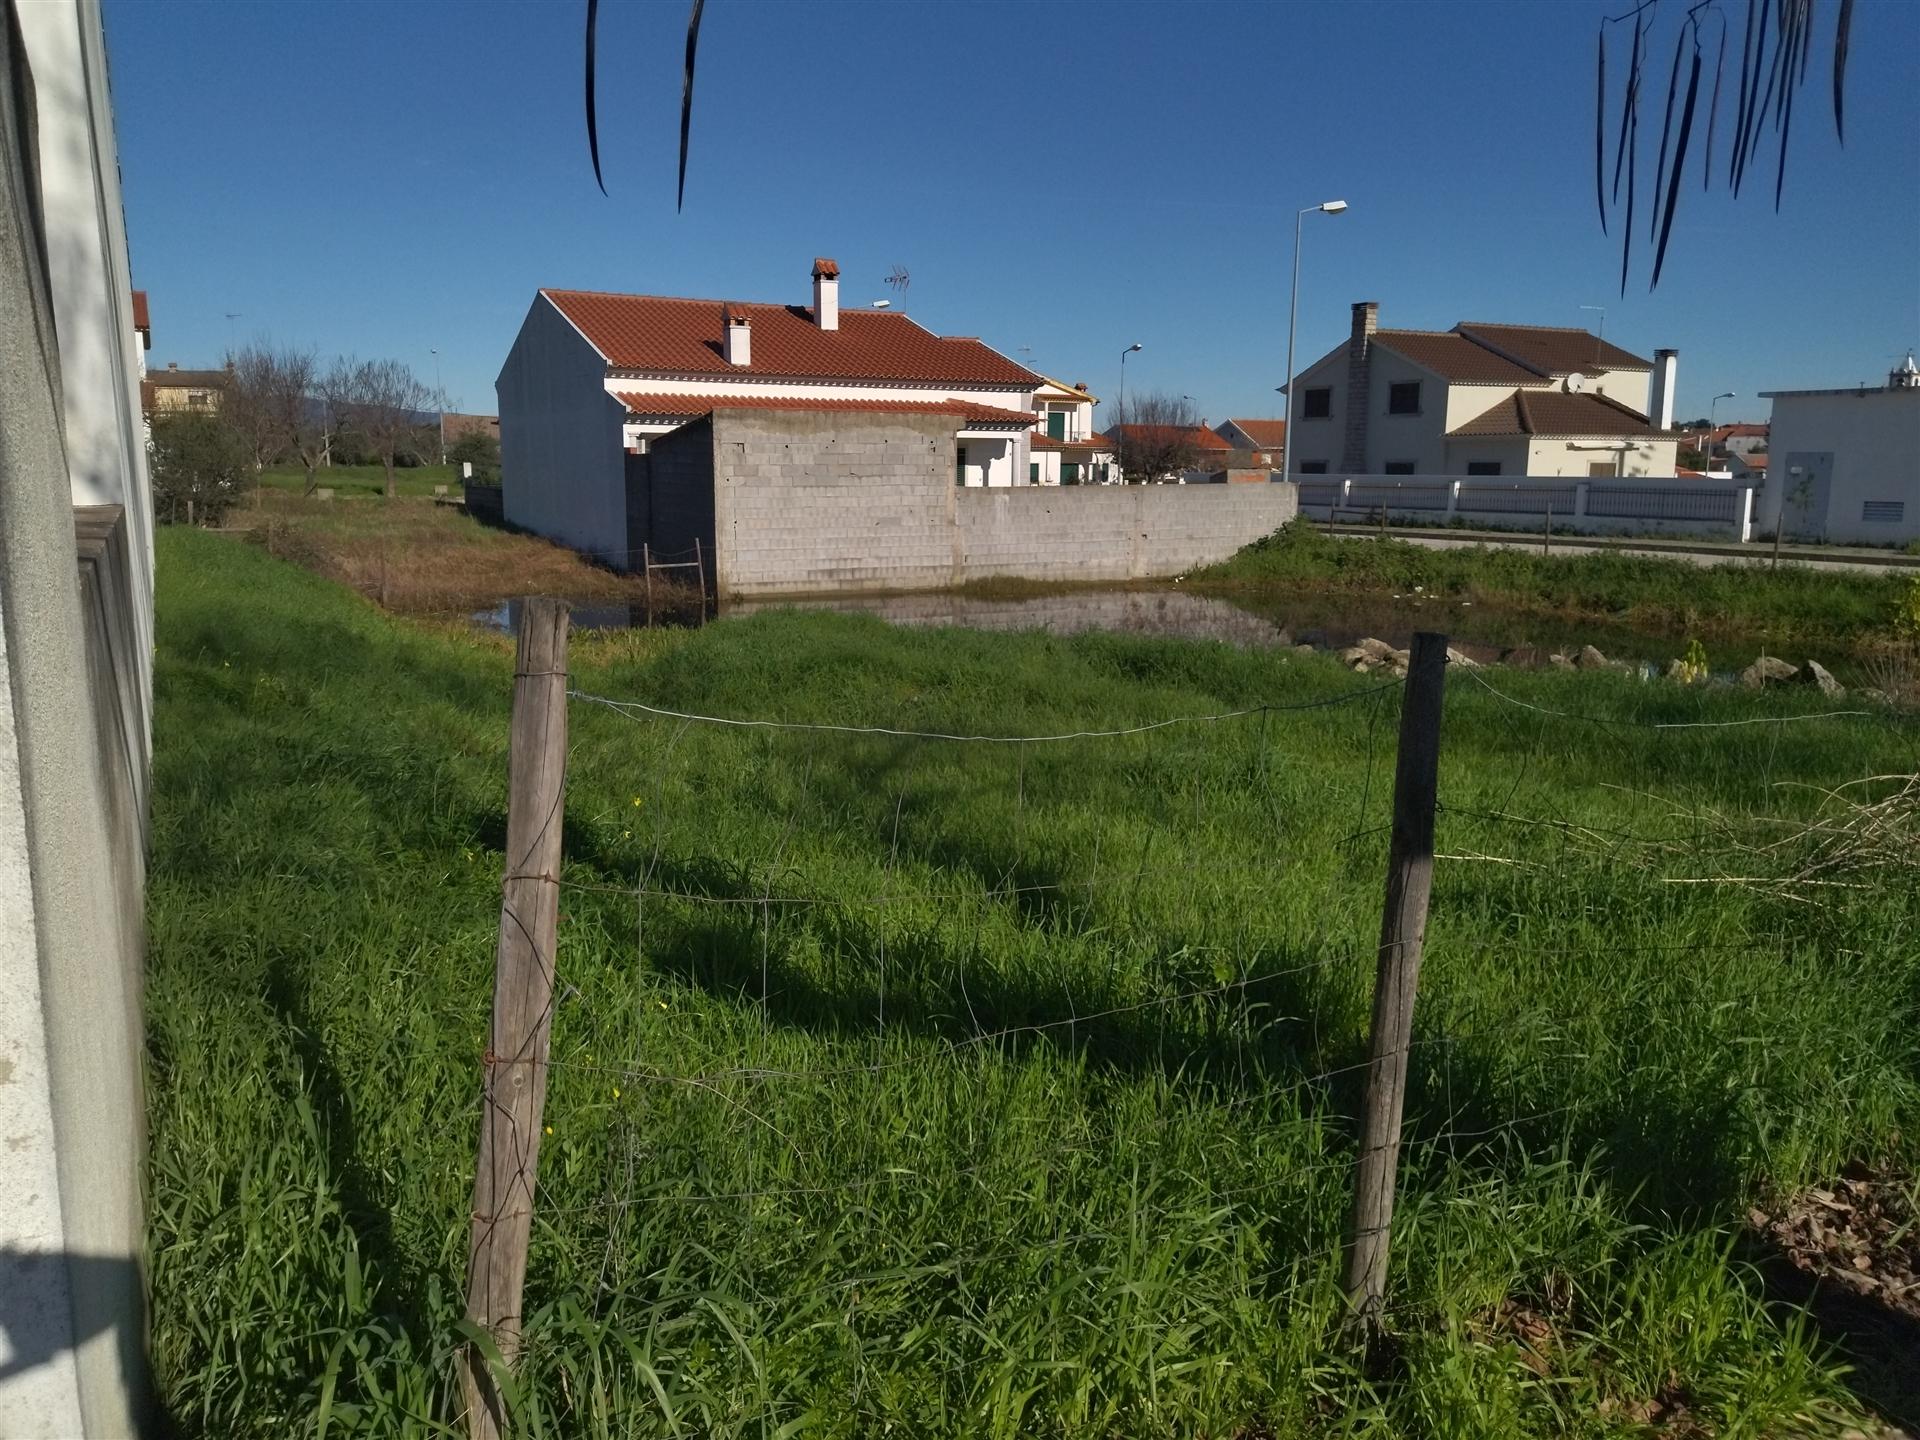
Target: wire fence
(1086, 990)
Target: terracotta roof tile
(1454, 357)
(1556, 413)
(686, 407)
(1263, 432)
(823, 267)
(140, 321)
(686, 337)
(1551, 349)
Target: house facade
(1065, 448)
(1845, 464)
(173, 390)
(1482, 399)
(595, 378)
(1264, 440)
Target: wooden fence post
(1403, 925)
(516, 1058)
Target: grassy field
(911, 1087)
(415, 557)
(1827, 612)
(359, 481)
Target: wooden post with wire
(504, 1181)
(1403, 926)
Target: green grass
(1835, 612)
(359, 481)
(1124, 1223)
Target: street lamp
(1712, 406)
(440, 399)
(1120, 424)
(1329, 207)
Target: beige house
(1483, 399)
(173, 389)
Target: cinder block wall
(819, 501)
(678, 508)
(826, 501)
(1113, 532)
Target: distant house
(453, 426)
(1483, 399)
(1210, 453)
(1266, 440)
(1749, 466)
(173, 390)
(1845, 464)
(1739, 439)
(593, 379)
(1066, 449)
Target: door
(1069, 472)
(1806, 482)
(1057, 424)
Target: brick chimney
(739, 347)
(1353, 450)
(826, 294)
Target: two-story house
(594, 378)
(1482, 399)
(1065, 448)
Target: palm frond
(1666, 133)
(686, 98)
(1600, 134)
(593, 119)
(1842, 29)
(1679, 162)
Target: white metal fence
(1722, 509)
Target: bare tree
(385, 404)
(1154, 435)
(268, 401)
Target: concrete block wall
(822, 501)
(673, 506)
(1114, 532)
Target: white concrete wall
(75, 657)
(1624, 458)
(562, 460)
(991, 461)
(1630, 388)
(1874, 438)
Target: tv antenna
(898, 279)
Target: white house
(1266, 439)
(594, 377)
(1065, 448)
(1847, 462)
(1482, 399)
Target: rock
(1454, 657)
(1559, 662)
(1400, 658)
(1590, 659)
(1305, 650)
(1814, 673)
(1378, 649)
(1356, 656)
(1879, 697)
(1767, 670)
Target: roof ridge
(1517, 325)
(1621, 406)
(1521, 409)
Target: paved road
(1811, 557)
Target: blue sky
(1060, 179)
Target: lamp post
(440, 399)
(1120, 425)
(1713, 406)
(1328, 207)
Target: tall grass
(787, 1191)
(1793, 604)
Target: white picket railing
(1677, 506)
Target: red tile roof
(686, 337)
(1552, 349)
(1739, 431)
(823, 267)
(1263, 432)
(1198, 436)
(686, 407)
(1454, 357)
(1556, 413)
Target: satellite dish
(1576, 382)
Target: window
(1033, 472)
(1313, 467)
(1403, 398)
(1883, 512)
(1069, 472)
(959, 464)
(1316, 404)
(1400, 467)
(1483, 467)
(1057, 424)
(1600, 469)
(198, 400)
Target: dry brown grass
(414, 557)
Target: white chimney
(826, 294)
(1660, 398)
(739, 339)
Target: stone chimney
(1660, 394)
(826, 294)
(739, 348)
(1353, 450)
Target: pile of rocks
(1370, 655)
